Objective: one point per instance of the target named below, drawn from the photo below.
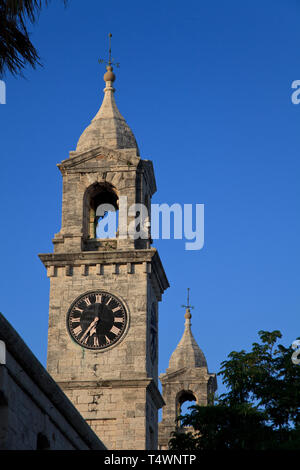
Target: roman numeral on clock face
(87, 301)
(77, 330)
(119, 320)
(116, 309)
(115, 330)
(78, 309)
(98, 298)
(75, 320)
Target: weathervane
(188, 300)
(110, 58)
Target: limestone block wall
(34, 412)
(115, 411)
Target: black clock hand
(93, 330)
(94, 322)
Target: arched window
(185, 399)
(101, 211)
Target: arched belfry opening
(184, 400)
(100, 199)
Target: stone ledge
(147, 383)
(149, 256)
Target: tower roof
(108, 128)
(187, 354)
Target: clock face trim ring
(97, 320)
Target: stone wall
(34, 412)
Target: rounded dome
(108, 128)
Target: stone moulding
(150, 258)
(147, 384)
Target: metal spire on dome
(109, 52)
(188, 307)
(111, 60)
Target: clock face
(97, 320)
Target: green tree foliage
(16, 49)
(260, 410)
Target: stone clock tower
(104, 292)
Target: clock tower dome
(104, 291)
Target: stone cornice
(147, 383)
(110, 257)
(124, 158)
(191, 374)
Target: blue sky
(206, 89)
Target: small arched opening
(185, 399)
(101, 211)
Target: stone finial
(188, 314)
(109, 76)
